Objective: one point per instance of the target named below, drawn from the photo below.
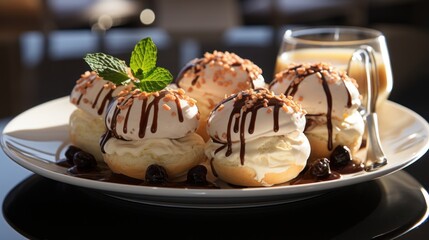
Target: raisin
(84, 161)
(320, 168)
(156, 174)
(71, 150)
(197, 175)
(340, 157)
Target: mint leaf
(155, 80)
(143, 56)
(108, 67)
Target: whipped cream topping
(208, 79)
(253, 114)
(93, 94)
(154, 147)
(139, 115)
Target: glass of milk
(337, 45)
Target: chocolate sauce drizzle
(147, 107)
(314, 69)
(104, 102)
(190, 66)
(239, 113)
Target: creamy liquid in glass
(340, 57)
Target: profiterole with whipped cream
(91, 95)
(331, 99)
(257, 139)
(210, 78)
(152, 128)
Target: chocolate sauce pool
(102, 173)
(306, 177)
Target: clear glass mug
(337, 46)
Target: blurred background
(42, 42)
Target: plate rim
(293, 190)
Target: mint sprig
(146, 75)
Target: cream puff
(256, 139)
(331, 99)
(152, 128)
(210, 78)
(91, 95)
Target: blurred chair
(16, 17)
(204, 20)
(280, 12)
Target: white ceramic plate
(38, 137)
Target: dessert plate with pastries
(218, 135)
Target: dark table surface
(393, 206)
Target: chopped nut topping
(228, 62)
(166, 107)
(297, 72)
(263, 97)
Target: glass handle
(365, 54)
